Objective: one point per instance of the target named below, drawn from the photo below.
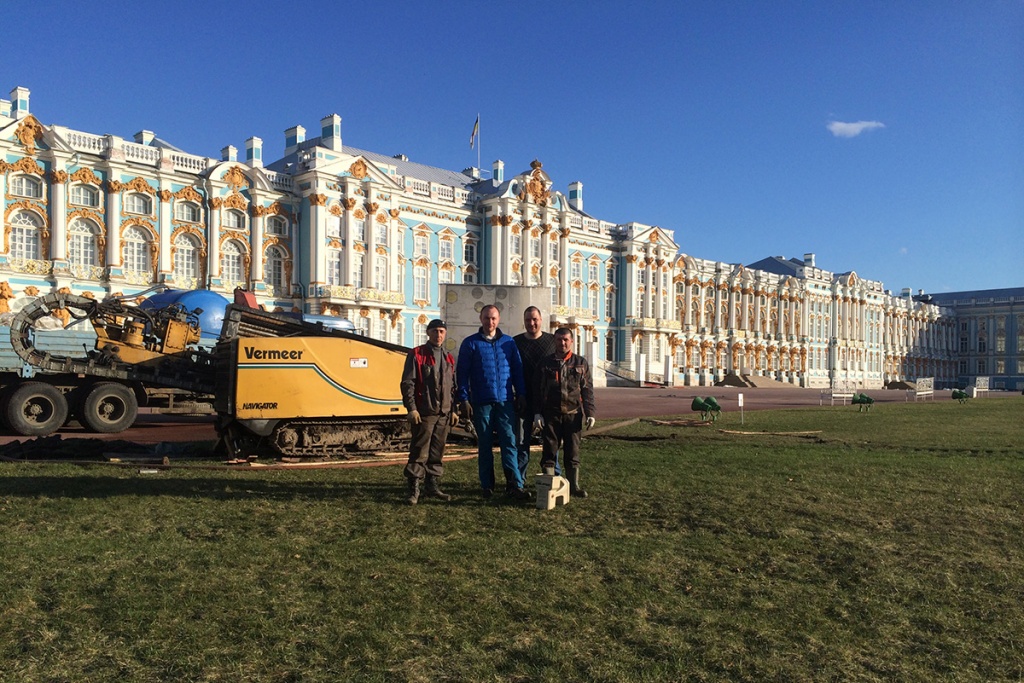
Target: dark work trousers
(427, 447)
(564, 431)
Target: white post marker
(739, 399)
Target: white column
(58, 222)
(256, 247)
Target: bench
(924, 388)
(840, 391)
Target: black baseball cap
(435, 323)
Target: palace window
(186, 211)
(516, 279)
(469, 252)
(358, 230)
(553, 284)
(553, 251)
(447, 250)
(576, 270)
(273, 275)
(381, 234)
(609, 303)
(135, 251)
(334, 226)
(186, 258)
(138, 204)
(420, 281)
(232, 263)
(82, 243)
(516, 243)
(84, 195)
(25, 228)
(380, 273)
(234, 220)
(357, 271)
(421, 244)
(444, 276)
(26, 186)
(277, 225)
(535, 248)
(592, 272)
(334, 267)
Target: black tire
(36, 409)
(108, 408)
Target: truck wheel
(36, 409)
(109, 408)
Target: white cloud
(904, 251)
(841, 129)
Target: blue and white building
(336, 230)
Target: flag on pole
(476, 131)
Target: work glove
(453, 419)
(414, 417)
(590, 422)
(538, 422)
(467, 410)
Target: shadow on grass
(225, 488)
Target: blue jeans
(500, 417)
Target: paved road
(612, 403)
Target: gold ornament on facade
(216, 203)
(349, 203)
(334, 209)
(359, 215)
(237, 201)
(358, 169)
(164, 195)
(26, 165)
(58, 176)
(235, 177)
(371, 207)
(381, 250)
(29, 131)
(382, 219)
(317, 199)
(86, 175)
(188, 194)
(138, 184)
(394, 213)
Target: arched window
(85, 195)
(135, 250)
(82, 248)
(277, 225)
(186, 211)
(25, 238)
(26, 186)
(186, 258)
(273, 274)
(138, 203)
(232, 264)
(234, 220)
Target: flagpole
(478, 142)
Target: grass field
(890, 546)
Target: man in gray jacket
(428, 392)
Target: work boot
(574, 482)
(414, 490)
(434, 488)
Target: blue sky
(885, 137)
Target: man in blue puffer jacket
(491, 388)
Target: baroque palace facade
(334, 230)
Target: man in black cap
(428, 392)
